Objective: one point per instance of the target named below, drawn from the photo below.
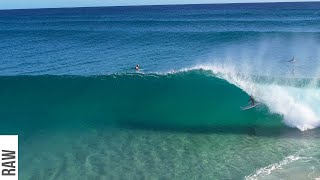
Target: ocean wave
(297, 105)
(202, 97)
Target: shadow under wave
(273, 131)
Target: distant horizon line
(225, 3)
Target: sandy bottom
(114, 153)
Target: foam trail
(299, 106)
(262, 172)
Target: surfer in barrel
(251, 100)
(251, 103)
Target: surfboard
(292, 60)
(250, 106)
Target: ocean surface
(68, 88)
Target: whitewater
(299, 106)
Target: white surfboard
(250, 106)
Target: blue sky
(23, 4)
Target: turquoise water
(69, 89)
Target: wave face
(209, 97)
(186, 99)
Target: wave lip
(297, 105)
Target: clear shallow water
(69, 90)
(128, 153)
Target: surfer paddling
(137, 67)
(292, 60)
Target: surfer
(251, 100)
(292, 60)
(137, 67)
(250, 105)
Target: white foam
(268, 169)
(300, 107)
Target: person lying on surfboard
(251, 100)
(292, 60)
